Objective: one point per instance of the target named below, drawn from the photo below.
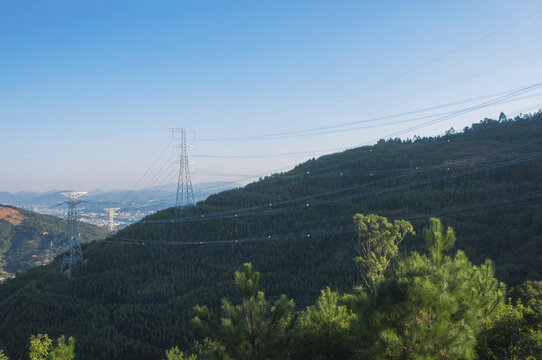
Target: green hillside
(133, 297)
(28, 239)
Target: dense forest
(28, 239)
(434, 306)
(134, 295)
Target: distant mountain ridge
(151, 199)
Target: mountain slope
(133, 297)
(28, 239)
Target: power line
(501, 97)
(270, 209)
(486, 71)
(273, 206)
(524, 200)
(464, 111)
(396, 77)
(145, 173)
(162, 173)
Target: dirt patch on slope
(12, 216)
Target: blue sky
(89, 89)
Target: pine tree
(427, 308)
(326, 329)
(251, 330)
(63, 351)
(437, 241)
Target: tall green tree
(3, 356)
(426, 308)
(326, 329)
(251, 330)
(63, 350)
(437, 241)
(377, 245)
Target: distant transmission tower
(185, 194)
(111, 212)
(75, 253)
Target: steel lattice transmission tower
(74, 253)
(111, 212)
(185, 194)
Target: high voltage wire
(507, 95)
(526, 199)
(440, 57)
(445, 177)
(444, 116)
(478, 58)
(269, 206)
(311, 132)
(400, 187)
(496, 101)
(243, 177)
(256, 137)
(394, 134)
(218, 173)
(315, 233)
(447, 115)
(485, 211)
(408, 147)
(147, 189)
(166, 180)
(404, 186)
(337, 165)
(299, 153)
(146, 172)
(464, 111)
(500, 98)
(311, 173)
(506, 27)
(239, 212)
(538, 107)
(343, 229)
(477, 74)
(392, 79)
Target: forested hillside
(28, 239)
(133, 297)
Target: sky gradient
(88, 90)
